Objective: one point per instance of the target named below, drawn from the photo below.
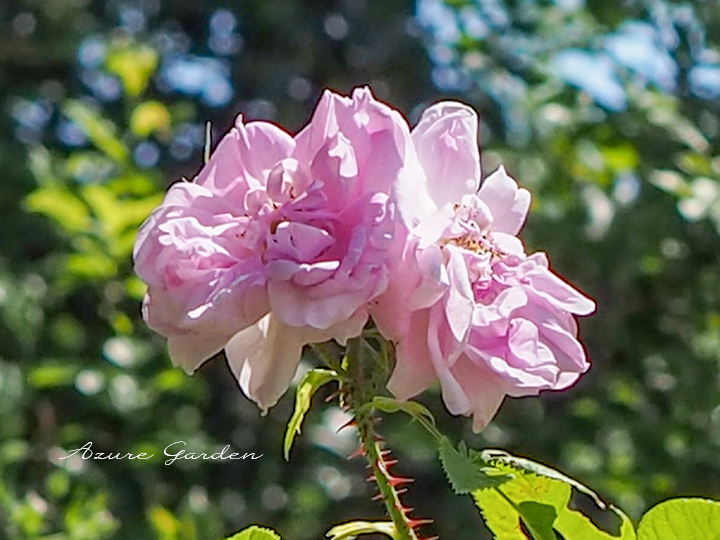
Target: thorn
(350, 423)
(390, 462)
(360, 452)
(399, 480)
(430, 538)
(378, 497)
(370, 478)
(412, 523)
(385, 452)
(401, 491)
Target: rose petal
(508, 203)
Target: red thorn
(401, 491)
(398, 480)
(350, 423)
(412, 523)
(385, 452)
(390, 462)
(378, 497)
(360, 452)
(370, 478)
(430, 538)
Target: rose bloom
(467, 306)
(278, 242)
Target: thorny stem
(359, 391)
(390, 496)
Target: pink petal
(508, 203)
(191, 350)
(560, 293)
(447, 148)
(459, 303)
(264, 358)
(295, 307)
(244, 157)
(414, 370)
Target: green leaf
(52, 374)
(61, 205)
(503, 507)
(574, 524)
(418, 411)
(255, 533)
(150, 117)
(500, 456)
(466, 470)
(356, 528)
(681, 519)
(538, 519)
(506, 508)
(100, 131)
(90, 265)
(166, 526)
(134, 64)
(413, 408)
(91, 166)
(310, 384)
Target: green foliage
(681, 519)
(415, 410)
(539, 505)
(134, 63)
(523, 500)
(311, 382)
(466, 469)
(255, 533)
(150, 117)
(641, 426)
(61, 205)
(353, 529)
(99, 130)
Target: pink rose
(279, 241)
(467, 306)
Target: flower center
(477, 243)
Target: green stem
(390, 496)
(360, 391)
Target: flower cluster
(284, 241)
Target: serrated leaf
(255, 533)
(310, 384)
(500, 456)
(501, 508)
(681, 519)
(356, 528)
(466, 470)
(506, 511)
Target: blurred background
(607, 111)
